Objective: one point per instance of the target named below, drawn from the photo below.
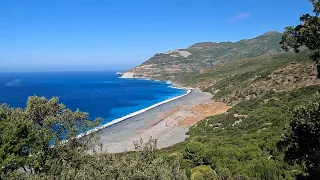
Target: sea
(102, 93)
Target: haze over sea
(101, 94)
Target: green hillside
(210, 53)
(207, 54)
(242, 144)
(271, 131)
(214, 53)
(253, 77)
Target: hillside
(239, 144)
(249, 78)
(242, 144)
(205, 54)
(263, 87)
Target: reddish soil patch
(199, 112)
(211, 109)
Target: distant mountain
(205, 54)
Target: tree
(43, 139)
(306, 34)
(143, 164)
(301, 140)
(15, 134)
(194, 152)
(43, 136)
(203, 173)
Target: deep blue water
(101, 94)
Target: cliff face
(203, 55)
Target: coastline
(128, 116)
(168, 122)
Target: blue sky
(43, 35)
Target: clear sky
(118, 34)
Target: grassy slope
(238, 68)
(208, 54)
(265, 44)
(214, 53)
(245, 146)
(253, 77)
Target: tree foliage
(144, 164)
(194, 151)
(306, 34)
(301, 140)
(42, 141)
(243, 147)
(42, 137)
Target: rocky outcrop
(128, 75)
(179, 53)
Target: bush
(194, 152)
(202, 173)
(301, 140)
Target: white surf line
(132, 114)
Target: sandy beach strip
(132, 114)
(168, 122)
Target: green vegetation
(202, 173)
(214, 53)
(39, 142)
(305, 34)
(301, 140)
(34, 138)
(242, 144)
(272, 131)
(210, 53)
(250, 67)
(253, 77)
(207, 54)
(143, 164)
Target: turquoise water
(101, 94)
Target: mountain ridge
(203, 55)
(223, 42)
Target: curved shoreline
(115, 121)
(168, 123)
